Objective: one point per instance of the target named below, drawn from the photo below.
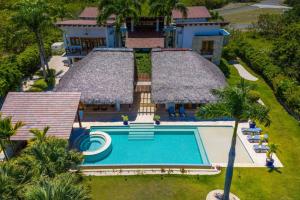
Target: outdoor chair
(257, 138)
(260, 148)
(251, 131)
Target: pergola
(40, 109)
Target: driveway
(246, 7)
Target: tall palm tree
(121, 9)
(234, 102)
(7, 129)
(33, 14)
(40, 135)
(165, 8)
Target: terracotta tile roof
(89, 12)
(41, 109)
(145, 42)
(77, 22)
(193, 12)
(82, 22)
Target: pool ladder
(141, 132)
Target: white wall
(185, 39)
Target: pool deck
(243, 150)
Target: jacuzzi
(95, 146)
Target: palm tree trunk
(3, 149)
(231, 158)
(44, 53)
(41, 55)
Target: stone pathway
(244, 73)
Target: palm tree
(165, 8)
(40, 135)
(234, 102)
(61, 12)
(66, 186)
(33, 14)
(121, 9)
(7, 129)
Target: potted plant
(125, 119)
(156, 118)
(252, 124)
(273, 148)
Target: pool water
(91, 143)
(159, 145)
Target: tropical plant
(165, 8)
(7, 129)
(216, 16)
(34, 14)
(156, 118)
(233, 102)
(121, 9)
(51, 156)
(63, 187)
(61, 12)
(125, 118)
(40, 135)
(273, 148)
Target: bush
(224, 67)
(253, 95)
(39, 86)
(228, 53)
(10, 77)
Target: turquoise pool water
(91, 143)
(152, 145)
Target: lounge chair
(260, 148)
(251, 131)
(182, 112)
(171, 111)
(257, 138)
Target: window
(207, 47)
(74, 41)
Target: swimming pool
(152, 145)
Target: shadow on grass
(274, 169)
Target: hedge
(285, 88)
(14, 68)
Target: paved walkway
(244, 73)
(58, 63)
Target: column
(157, 25)
(132, 25)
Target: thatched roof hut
(104, 76)
(183, 76)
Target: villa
(107, 80)
(196, 32)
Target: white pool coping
(107, 140)
(259, 159)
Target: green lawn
(143, 62)
(248, 183)
(250, 16)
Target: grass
(143, 62)
(250, 16)
(248, 183)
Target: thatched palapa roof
(183, 76)
(104, 76)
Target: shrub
(224, 67)
(10, 77)
(39, 86)
(229, 53)
(253, 95)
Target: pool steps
(141, 132)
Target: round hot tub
(95, 146)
